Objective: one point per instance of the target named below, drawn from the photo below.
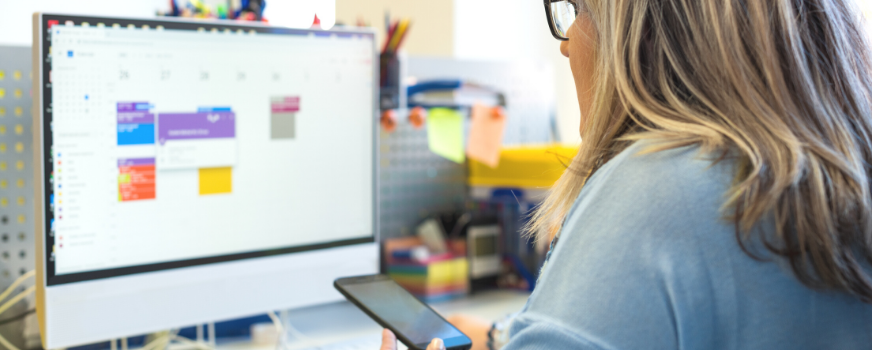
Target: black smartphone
(414, 323)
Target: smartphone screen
(406, 314)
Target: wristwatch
(498, 335)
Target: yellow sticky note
(2, 92)
(18, 93)
(3, 184)
(2, 74)
(445, 134)
(2, 111)
(216, 180)
(19, 111)
(19, 129)
(486, 134)
(19, 147)
(2, 129)
(16, 75)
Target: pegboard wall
(414, 182)
(16, 174)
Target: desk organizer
(433, 278)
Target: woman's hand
(389, 342)
(474, 328)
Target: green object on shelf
(445, 134)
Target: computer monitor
(197, 171)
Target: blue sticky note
(70, 53)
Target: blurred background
(441, 174)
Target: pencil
(389, 36)
(395, 36)
(403, 36)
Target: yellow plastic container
(524, 167)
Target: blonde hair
(783, 85)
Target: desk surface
(333, 323)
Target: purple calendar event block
(137, 117)
(132, 106)
(186, 126)
(135, 161)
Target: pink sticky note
(486, 134)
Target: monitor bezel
(44, 140)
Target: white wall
(517, 30)
(432, 30)
(866, 8)
(300, 13)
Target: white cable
(282, 327)
(296, 333)
(14, 300)
(280, 342)
(7, 344)
(213, 338)
(15, 284)
(151, 344)
(156, 342)
(287, 326)
(17, 298)
(195, 344)
(200, 336)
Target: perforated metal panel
(414, 182)
(16, 174)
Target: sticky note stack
(431, 277)
(437, 278)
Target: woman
(721, 196)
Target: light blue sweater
(645, 261)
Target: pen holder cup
(389, 81)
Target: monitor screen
(173, 144)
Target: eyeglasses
(560, 15)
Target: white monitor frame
(84, 312)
